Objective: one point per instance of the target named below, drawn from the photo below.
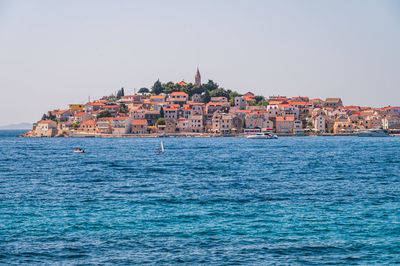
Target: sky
(53, 53)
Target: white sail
(162, 147)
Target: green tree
(120, 93)
(104, 113)
(123, 109)
(220, 92)
(162, 112)
(160, 121)
(232, 96)
(143, 90)
(210, 85)
(76, 125)
(205, 98)
(157, 88)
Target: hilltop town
(187, 109)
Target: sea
(205, 201)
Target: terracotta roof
(285, 118)
(61, 112)
(299, 103)
(157, 96)
(96, 104)
(45, 121)
(80, 114)
(111, 106)
(179, 93)
(139, 122)
(105, 118)
(182, 83)
(119, 118)
(89, 123)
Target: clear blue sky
(53, 53)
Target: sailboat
(162, 148)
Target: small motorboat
(262, 135)
(79, 150)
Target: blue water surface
(295, 200)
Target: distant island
(197, 109)
(21, 126)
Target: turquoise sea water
(303, 200)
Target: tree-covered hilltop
(206, 90)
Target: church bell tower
(197, 78)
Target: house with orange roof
(93, 107)
(157, 98)
(89, 126)
(63, 115)
(303, 107)
(182, 125)
(82, 117)
(285, 124)
(212, 107)
(137, 113)
(219, 99)
(258, 120)
(139, 126)
(46, 128)
(178, 97)
(113, 108)
(182, 83)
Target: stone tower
(197, 78)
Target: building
(157, 98)
(46, 128)
(240, 102)
(197, 78)
(139, 126)
(196, 98)
(104, 125)
(170, 125)
(258, 120)
(195, 123)
(222, 123)
(171, 113)
(178, 97)
(391, 122)
(298, 127)
(89, 126)
(76, 108)
(333, 103)
(284, 124)
(151, 116)
(63, 115)
(319, 124)
(82, 117)
(182, 125)
(121, 125)
(182, 83)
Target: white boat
(262, 135)
(79, 151)
(373, 132)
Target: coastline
(179, 135)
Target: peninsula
(196, 109)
